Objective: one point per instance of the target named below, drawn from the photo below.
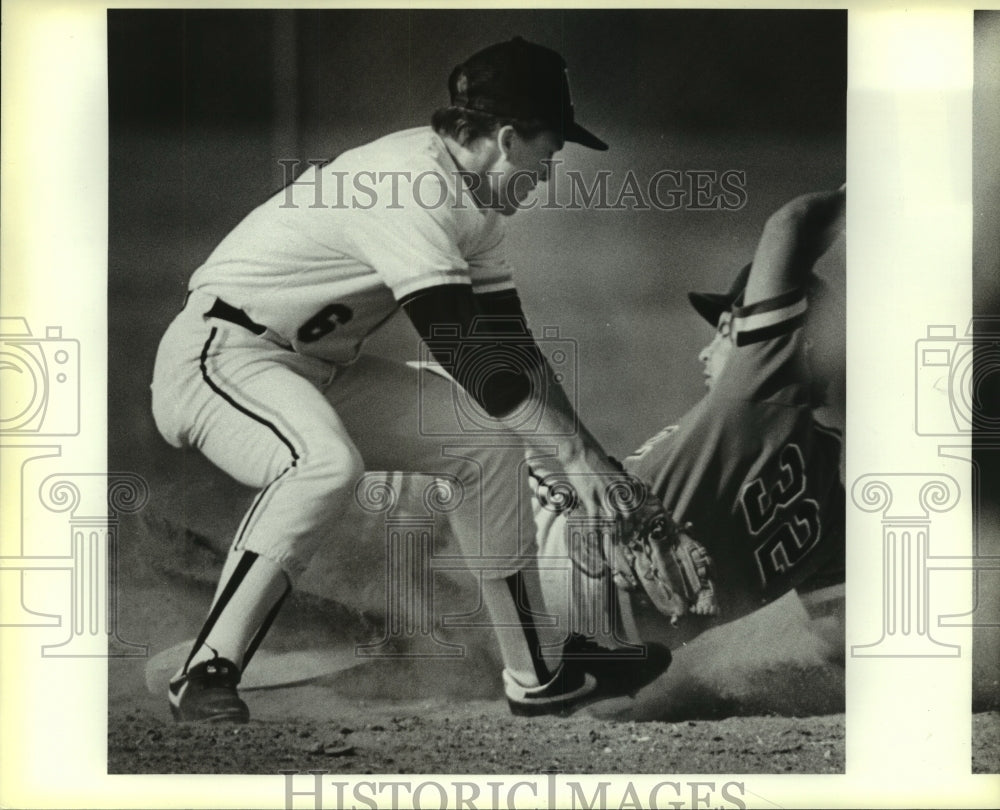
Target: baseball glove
(654, 553)
(642, 546)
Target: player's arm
(581, 455)
(794, 237)
(443, 315)
(505, 306)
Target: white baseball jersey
(324, 262)
(261, 405)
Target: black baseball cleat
(565, 691)
(588, 673)
(619, 671)
(206, 693)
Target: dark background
(986, 231)
(986, 308)
(203, 104)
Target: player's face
(523, 163)
(716, 354)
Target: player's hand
(812, 221)
(587, 480)
(795, 236)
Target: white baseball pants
(303, 431)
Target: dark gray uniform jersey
(751, 468)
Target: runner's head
(717, 309)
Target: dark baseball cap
(520, 80)
(711, 305)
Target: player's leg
(403, 421)
(414, 426)
(581, 590)
(604, 639)
(266, 424)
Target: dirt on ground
(762, 694)
(986, 742)
(757, 695)
(475, 738)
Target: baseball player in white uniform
(264, 371)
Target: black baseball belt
(227, 312)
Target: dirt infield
(475, 738)
(757, 695)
